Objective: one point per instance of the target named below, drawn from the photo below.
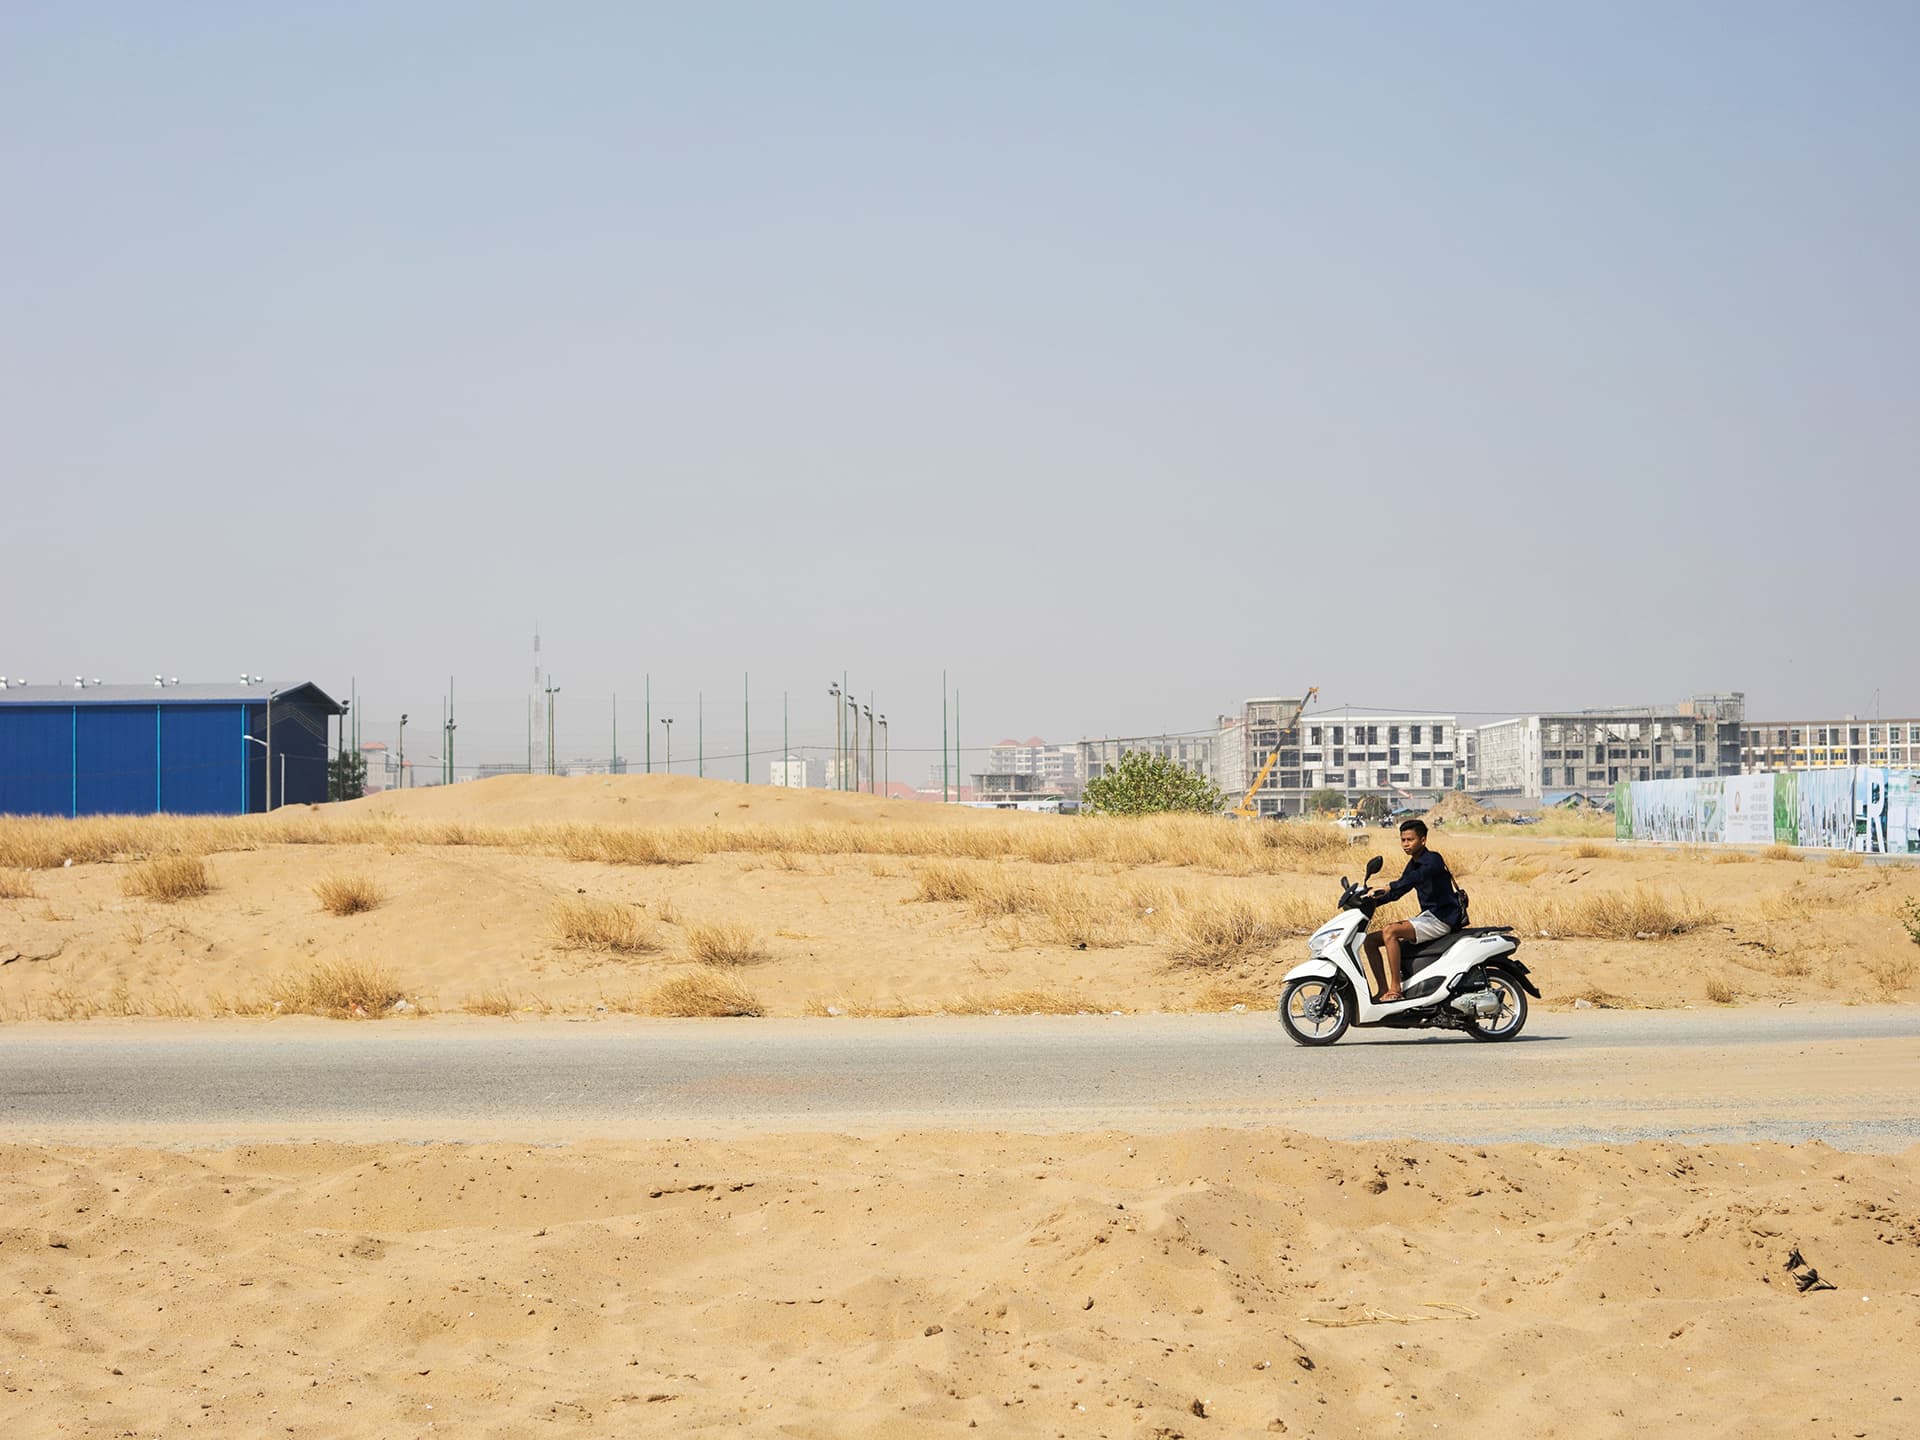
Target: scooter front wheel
(1315, 1010)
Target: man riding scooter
(1428, 877)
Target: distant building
(1822, 744)
(1005, 790)
(790, 773)
(1058, 765)
(502, 767)
(379, 766)
(163, 749)
(1190, 752)
(1588, 752)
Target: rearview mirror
(1373, 866)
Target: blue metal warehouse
(178, 749)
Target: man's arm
(1406, 882)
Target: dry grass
(1220, 998)
(1640, 914)
(705, 995)
(1209, 936)
(725, 944)
(348, 894)
(1845, 860)
(495, 1002)
(894, 1009)
(1596, 997)
(340, 989)
(17, 885)
(169, 878)
(1780, 852)
(629, 845)
(1786, 906)
(603, 925)
(1720, 992)
(1734, 857)
(1891, 974)
(1027, 1002)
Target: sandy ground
(472, 925)
(1209, 1283)
(1203, 1282)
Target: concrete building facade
(1190, 752)
(1822, 744)
(1057, 765)
(1588, 752)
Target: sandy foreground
(850, 905)
(1201, 1282)
(1217, 1282)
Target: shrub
(724, 944)
(603, 925)
(360, 989)
(706, 994)
(1910, 920)
(1720, 992)
(1143, 784)
(348, 894)
(169, 878)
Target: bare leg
(1391, 936)
(1373, 962)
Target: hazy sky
(1124, 360)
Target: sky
(1120, 361)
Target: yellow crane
(1246, 809)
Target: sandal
(1390, 997)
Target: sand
(838, 929)
(1201, 1282)
(1080, 1285)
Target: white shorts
(1428, 926)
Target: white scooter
(1465, 980)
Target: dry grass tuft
(1786, 906)
(1720, 992)
(706, 995)
(628, 844)
(1596, 997)
(348, 894)
(339, 989)
(489, 1002)
(1027, 1002)
(603, 925)
(1780, 852)
(1641, 914)
(1212, 935)
(725, 944)
(1845, 860)
(1734, 857)
(1891, 974)
(17, 885)
(169, 878)
(1218, 999)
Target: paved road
(1847, 1076)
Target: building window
(1414, 736)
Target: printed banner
(1749, 809)
(1865, 808)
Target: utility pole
(869, 714)
(552, 690)
(841, 763)
(401, 782)
(838, 720)
(700, 731)
(649, 724)
(667, 720)
(959, 781)
(886, 760)
(853, 741)
(786, 751)
(283, 769)
(613, 765)
(529, 734)
(746, 722)
(451, 727)
(943, 737)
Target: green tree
(346, 776)
(1143, 784)
(1326, 802)
(1373, 808)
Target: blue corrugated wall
(130, 759)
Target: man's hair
(1418, 827)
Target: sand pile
(648, 800)
(1461, 809)
(1211, 1283)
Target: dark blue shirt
(1428, 877)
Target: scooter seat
(1416, 958)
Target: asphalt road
(1850, 1077)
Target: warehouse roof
(232, 693)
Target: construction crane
(1246, 809)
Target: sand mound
(968, 1285)
(1459, 809)
(647, 800)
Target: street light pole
(886, 759)
(551, 691)
(400, 783)
(839, 776)
(867, 710)
(853, 741)
(667, 720)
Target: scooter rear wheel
(1315, 1010)
(1513, 1009)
